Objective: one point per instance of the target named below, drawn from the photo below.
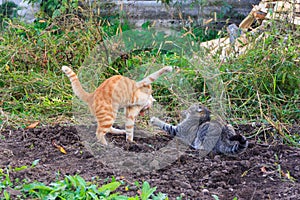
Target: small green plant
(72, 187)
(5, 182)
(147, 192)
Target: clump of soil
(262, 172)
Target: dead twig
(252, 197)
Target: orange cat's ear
(152, 99)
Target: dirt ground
(264, 171)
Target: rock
(215, 173)
(205, 191)
(27, 11)
(245, 163)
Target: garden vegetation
(262, 85)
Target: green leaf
(17, 169)
(6, 195)
(124, 198)
(93, 195)
(160, 196)
(56, 13)
(81, 181)
(215, 197)
(72, 180)
(110, 186)
(147, 191)
(136, 183)
(37, 186)
(35, 162)
(133, 198)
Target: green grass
(264, 83)
(32, 96)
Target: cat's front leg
(167, 69)
(157, 122)
(131, 113)
(172, 130)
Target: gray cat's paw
(154, 120)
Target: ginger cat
(114, 93)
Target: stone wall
(141, 11)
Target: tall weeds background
(261, 86)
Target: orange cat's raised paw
(168, 68)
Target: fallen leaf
(60, 148)
(263, 169)
(244, 173)
(33, 125)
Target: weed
(71, 187)
(263, 84)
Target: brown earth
(264, 171)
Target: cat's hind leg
(100, 134)
(105, 121)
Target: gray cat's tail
(240, 146)
(76, 85)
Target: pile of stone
(260, 16)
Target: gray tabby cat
(200, 132)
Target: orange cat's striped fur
(114, 93)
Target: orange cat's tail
(76, 85)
